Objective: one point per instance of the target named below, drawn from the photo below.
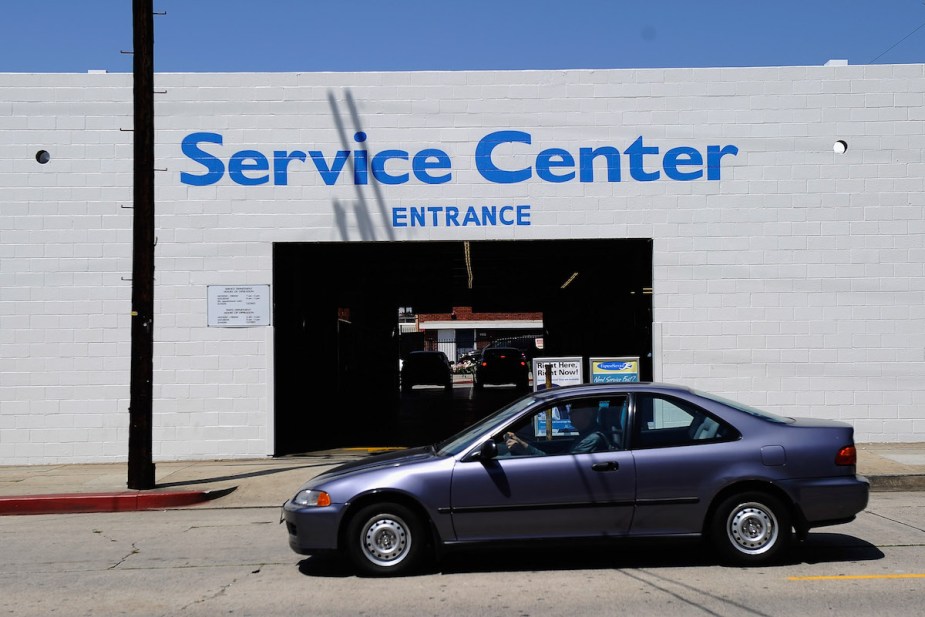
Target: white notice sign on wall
(239, 306)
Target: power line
(897, 43)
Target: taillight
(484, 363)
(847, 456)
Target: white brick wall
(796, 283)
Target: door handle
(609, 466)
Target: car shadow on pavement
(326, 566)
(600, 556)
(625, 554)
(655, 553)
(827, 547)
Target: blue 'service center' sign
(433, 166)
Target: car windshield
(458, 442)
(753, 411)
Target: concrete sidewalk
(47, 489)
(44, 489)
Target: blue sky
(398, 35)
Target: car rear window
(427, 357)
(752, 411)
(499, 352)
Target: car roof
(597, 388)
(427, 356)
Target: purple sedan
(629, 460)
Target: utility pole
(140, 464)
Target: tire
(386, 539)
(751, 529)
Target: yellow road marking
(850, 577)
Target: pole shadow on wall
(359, 144)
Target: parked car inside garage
(426, 368)
(502, 365)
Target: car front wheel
(751, 528)
(385, 539)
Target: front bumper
(312, 530)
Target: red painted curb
(126, 501)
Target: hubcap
(752, 528)
(386, 540)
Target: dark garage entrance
(337, 343)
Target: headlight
(310, 497)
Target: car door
(550, 492)
(683, 455)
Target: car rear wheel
(385, 539)
(751, 528)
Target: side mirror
(488, 451)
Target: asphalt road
(201, 561)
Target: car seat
(613, 424)
(705, 429)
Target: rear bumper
(498, 377)
(828, 501)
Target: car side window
(579, 426)
(539, 434)
(667, 421)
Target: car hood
(391, 459)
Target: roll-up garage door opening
(348, 315)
